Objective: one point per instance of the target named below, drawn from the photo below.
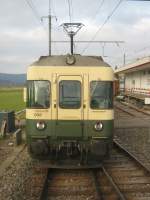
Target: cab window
(69, 94)
(38, 94)
(101, 93)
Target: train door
(69, 120)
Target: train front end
(69, 115)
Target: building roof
(138, 65)
(61, 61)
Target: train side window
(69, 94)
(38, 94)
(101, 93)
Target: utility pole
(124, 59)
(49, 27)
(103, 49)
(50, 35)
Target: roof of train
(60, 60)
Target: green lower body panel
(69, 129)
(69, 139)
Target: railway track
(135, 152)
(122, 113)
(79, 184)
(129, 173)
(122, 176)
(131, 110)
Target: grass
(11, 99)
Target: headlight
(98, 126)
(40, 125)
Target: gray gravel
(12, 182)
(137, 141)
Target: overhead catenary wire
(101, 27)
(142, 49)
(35, 12)
(132, 55)
(32, 7)
(99, 8)
(95, 15)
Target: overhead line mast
(49, 27)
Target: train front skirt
(70, 154)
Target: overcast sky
(23, 38)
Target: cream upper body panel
(87, 74)
(95, 73)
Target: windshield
(38, 94)
(70, 94)
(101, 95)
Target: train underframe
(70, 153)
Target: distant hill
(12, 79)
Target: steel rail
(135, 108)
(117, 189)
(44, 193)
(131, 155)
(116, 106)
(97, 185)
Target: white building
(135, 80)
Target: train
(69, 112)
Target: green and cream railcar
(69, 111)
